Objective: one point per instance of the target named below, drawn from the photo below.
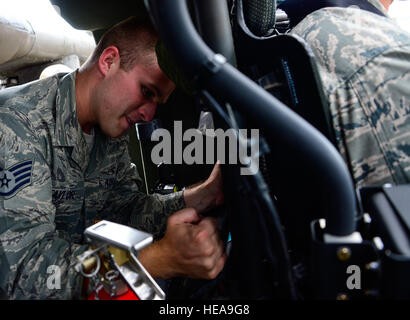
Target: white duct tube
(16, 39)
(27, 38)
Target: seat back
(295, 80)
(284, 65)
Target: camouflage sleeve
(34, 262)
(364, 64)
(372, 120)
(128, 205)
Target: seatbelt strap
(297, 10)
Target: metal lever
(107, 234)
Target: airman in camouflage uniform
(52, 186)
(364, 64)
(66, 190)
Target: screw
(344, 253)
(342, 296)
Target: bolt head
(342, 296)
(344, 253)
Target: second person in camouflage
(364, 64)
(65, 134)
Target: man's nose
(147, 111)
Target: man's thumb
(187, 215)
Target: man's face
(127, 97)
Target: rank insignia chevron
(15, 178)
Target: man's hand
(190, 248)
(206, 195)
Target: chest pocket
(106, 182)
(69, 219)
(99, 189)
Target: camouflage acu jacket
(364, 64)
(51, 188)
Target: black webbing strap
(297, 10)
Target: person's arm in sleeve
(34, 262)
(128, 205)
(191, 245)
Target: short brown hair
(135, 40)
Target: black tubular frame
(211, 72)
(264, 197)
(214, 28)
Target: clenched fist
(190, 248)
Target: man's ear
(109, 58)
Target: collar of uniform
(379, 6)
(68, 132)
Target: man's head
(134, 39)
(121, 83)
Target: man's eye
(147, 92)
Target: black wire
(215, 105)
(263, 191)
